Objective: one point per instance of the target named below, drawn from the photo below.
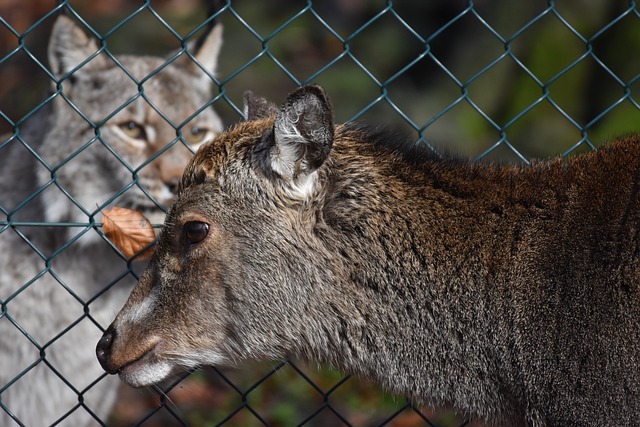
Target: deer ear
(256, 107)
(303, 136)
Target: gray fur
(510, 294)
(39, 303)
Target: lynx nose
(172, 184)
(103, 350)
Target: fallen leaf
(129, 231)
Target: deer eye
(195, 231)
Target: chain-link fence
(494, 79)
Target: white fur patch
(192, 359)
(287, 153)
(290, 145)
(141, 310)
(141, 374)
(301, 189)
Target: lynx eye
(196, 135)
(133, 130)
(195, 231)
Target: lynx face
(123, 133)
(117, 131)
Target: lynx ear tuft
(70, 47)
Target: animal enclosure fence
(496, 80)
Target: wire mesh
(495, 80)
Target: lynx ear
(206, 50)
(256, 107)
(69, 47)
(303, 135)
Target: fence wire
(495, 80)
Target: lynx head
(123, 128)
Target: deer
(507, 292)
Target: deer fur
(509, 293)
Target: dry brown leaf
(130, 231)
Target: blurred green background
(492, 79)
(528, 79)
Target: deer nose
(103, 349)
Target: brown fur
(509, 293)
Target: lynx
(108, 137)
(509, 293)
